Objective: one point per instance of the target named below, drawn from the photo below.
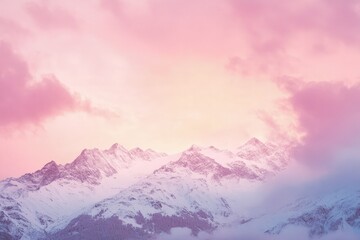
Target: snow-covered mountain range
(138, 194)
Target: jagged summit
(194, 147)
(117, 147)
(254, 149)
(199, 163)
(254, 142)
(42, 177)
(143, 188)
(51, 164)
(92, 165)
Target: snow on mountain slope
(141, 192)
(51, 196)
(254, 160)
(265, 157)
(93, 165)
(189, 191)
(165, 199)
(335, 211)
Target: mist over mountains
(251, 192)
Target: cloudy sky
(166, 74)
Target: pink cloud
(252, 37)
(23, 100)
(272, 24)
(50, 17)
(329, 116)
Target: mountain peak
(87, 151)
(254, 144)
(116, 147)
(254, 149)
(50, 165)
(147, 154)
(136, 150)
(42, 177)
(199, 163)
(254, 141)
(194, 147)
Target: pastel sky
(166, 74)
